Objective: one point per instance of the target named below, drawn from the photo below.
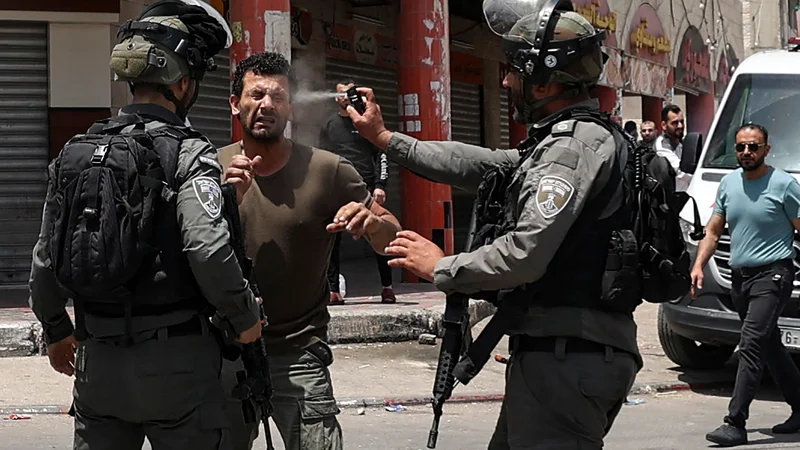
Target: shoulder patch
(211, 162)
(565, 128)
(209, 194)
(553, 195)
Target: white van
(765, 89)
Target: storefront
(211, 113)
(25, 144)
(728, 62)
(600, 15)
(466, 125)
(646, 66)
(693, 81)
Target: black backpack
(110, 186)
(653, 244)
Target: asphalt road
(672, 421)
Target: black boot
(792, 425)
(728, 436)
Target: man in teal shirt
(761, 205)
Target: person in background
(669, 143)
(339, 136)
(761, 205)
(630, 128)
(648, 132)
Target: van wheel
(688, 353)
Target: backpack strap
(115, 125)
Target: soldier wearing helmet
(544, 215)
(152, 370)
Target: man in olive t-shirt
(292, 201)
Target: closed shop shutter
(467, 127)
(384, 82)
(505, 125)
(23, 146)
(211, 113)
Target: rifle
(457, 339)
(254, 385)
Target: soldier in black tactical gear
(133, 232)
(545, 214)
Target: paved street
(663, 422)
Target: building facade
(56, 81)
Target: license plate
(790, 338)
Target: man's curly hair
(266, 63)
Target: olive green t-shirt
(284, 216)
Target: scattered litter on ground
(361, 411)
(17, 417)
(634, 401)
(667, 394)
(395, 408)
(427, 339)
(364, 366)
(501, 359)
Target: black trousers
(759, 295)
(333, 266)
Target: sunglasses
(752, 146)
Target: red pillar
(258, 26)
(424, 86)
(651, 110)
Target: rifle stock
(254, 385)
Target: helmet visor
(503, 15)
(216, 15)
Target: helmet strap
(531, 105)
(181, 110)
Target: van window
(768, 100)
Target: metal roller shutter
(211, 114)
(467, 127)
(505, 125)
(384, 82)
(23, 146)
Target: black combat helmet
(545, 41)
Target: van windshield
(768, 100)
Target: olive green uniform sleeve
(47, 300)
(451, 163)
(350, 187)
(206, 237)
(556, 183)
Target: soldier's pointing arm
(206, 237)
(552, 195)
(453, 163)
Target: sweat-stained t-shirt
(284, 216)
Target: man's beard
(267, 136)
(752, 164)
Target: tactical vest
(575, 275)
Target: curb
(378, 402)
(347, 326)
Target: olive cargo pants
(166, 389)
(562, 400)
(303, 403)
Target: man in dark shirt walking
(339, 136)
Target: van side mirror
(692, 147)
